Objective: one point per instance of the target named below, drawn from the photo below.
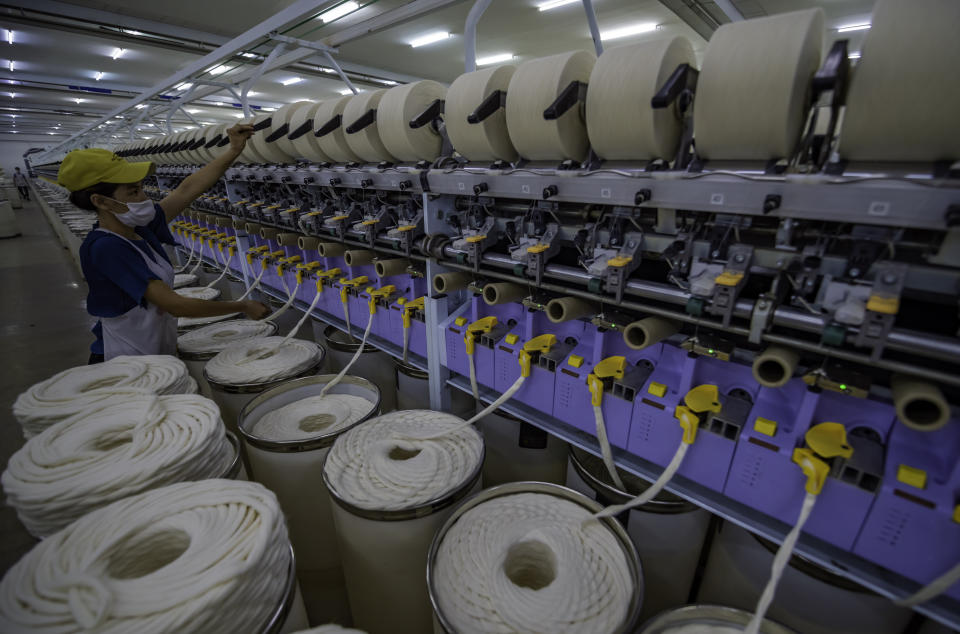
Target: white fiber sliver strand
(306, 316)
(192, 322)
(312, 416)
(207, 557)
(253, 286)
(780, 562)
(292, 295)
(183, 279)
(356, 355)
(531, 562)
(189, 259)
(605, 450)
(261, 360)
(377, 465)
(332, 628)
(654, 489)
(216, 337)
(932, 589)
(198, 292)
(113, 450)
(226, 268)
(70, 391)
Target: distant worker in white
(20, 181)
(129, 274)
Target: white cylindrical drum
(373, 364)
(707, 619)
(199, 345)
(413, 391)
(486, 140)
(398, 106)
(668, 531)
(365, 143)
(738, 570)
(334, 144)
(392, 488)
(527, 557)
(517, 451)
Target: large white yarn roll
(334, 145)
(216, 337)
(68, 392)
(377, 466)
(307, 145)
(285, 116)
(250, 153)
(192, 156)
(261, 360)
(753, 91)
(534, 86)
(621, 123)
(397, 107)
(113, 450)
(487, 140)
(208, 154)
(270, 151)
(181, 280)
(366, 143)
(904, 96)
(330, 629)
(198, 292)
(204, 557)
(531, 562)
(309, 417)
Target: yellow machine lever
(828, 440)
(379, 293)
(345, 284)
(813, 467)
(409, 307)
(474, 330)
(540, 344)
(609, 368)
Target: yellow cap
(912, 476)
(765, 426)
(81, 169)
(657, 389)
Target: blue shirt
(116, 274)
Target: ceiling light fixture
(245, 54)
(79, 101)
(193, 110)
(269, 109)
(98, 76)
(338, 11)
(345, 91)
(218, 103)
(131, 32)
(117, 52)
(253, 94)
(291, 81)
(388, 82)
(13, 95)
(627, 31)
(141, 105)
(853, 27)
(11, 66)
(218, 70)
(429, 38)
(184, 86)
(553, 4)
(854, 55)
(494, 59)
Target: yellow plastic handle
(813, 467)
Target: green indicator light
(843, 386)
(710, 350)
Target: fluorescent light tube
(494, 59)
(553, 4)
(853, 27)
(429, 38)
(291, 81)
(98, 76)
(9, 36)
(855, 55)
(338, 11)
(345, 91)
(117, 52)
(218, 70)
(627, 31)
(11, 65)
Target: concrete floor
(44, 328)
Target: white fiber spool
(214, 132)
(534, 86)
(517, 451)
(192, 156)
(180, 280)
(303, 124)
(526, 557)
(285, 117)
(915, 117)
(68, 392)
(198, 346)
(113, 450)
(268, 150)
(487, 140)
(621, 124)
(334, 145)
(209, 556)
(250, 153)
(288, 431)
(739, 567)
(372, 364)
(753, 90)
(209, 132)
(365, 143)
(391, 493)
(668, 531)
(397, 107)
(707, 619)
(413, 392)
(198, 292)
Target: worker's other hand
(255, 310)
(238, 135)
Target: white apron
(142, 330)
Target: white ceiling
(54, 50)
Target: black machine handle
(214, 142)
(299, 132)
(329, 126)
(574, 93)
(365, 120)
(432, 113)
(496, 100)
(279, 132)
(266, 123)
(682, 80)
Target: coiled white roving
(378, 466)
(312, 416)
(332, 628)
(216, 337)
(113, 450)
(261, 360)
(184, 323)
(531, 562)
(73, 390)
(183, 279)
(204, 557)
(198, 292)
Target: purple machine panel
(915, 530)
(509, 318)
(764, 476)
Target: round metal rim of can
(712, 614)
(279, 617)
(630, 550)
(252, 388)
(411, 371)
(206, 356)
(234, 469)
(185, 329)
(344, 346)
(814, 571)
(319, 442)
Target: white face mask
(138, 214)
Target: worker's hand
(238, 136)
(255, 310)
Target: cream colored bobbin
(269, 151)
(365, 143)
(398, 106)
(306, 145)
(284, 117)
(753, 90)
(487, 140)
(503, 292)
(895, 111)
(535, 86)
(211, 134)
(249, 153)
(335, 143)
(621, 123)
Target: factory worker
(128, 272)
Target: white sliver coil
(206, 557)
(376, 465)
(217, 336)
(73, 390)
(397, 107)
(366, 143)
(198, 292)
(113, 450)
(621, 123)
(531, 562)
(487, 140)
(335, 143)
(703, 628)
(312, 416)
(184, 279)
(535, 86)
(330, 629)
(184, 323)
(239, 363)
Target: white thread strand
(205, 557)
(306, 316)
(292, 295)
(353, 359)
(378, 466)
(932, 589)
(186, 323)
(605, 451)
(654, 489)
(253, 286)
(226, 268)
(406, 343)
(239, 363)
(311, 417)
(73, 390)
(216, 337)
(189, 258)
(492, 407)
(530, 562)
(780, 562)
(113, 450)
(473, 380)
(196, 266)
(346, 319)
